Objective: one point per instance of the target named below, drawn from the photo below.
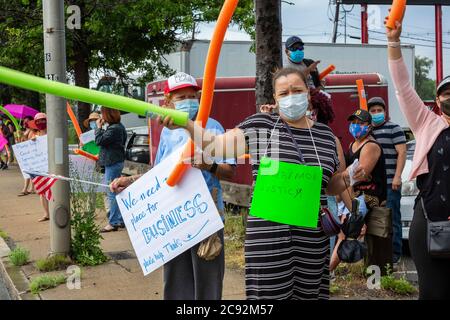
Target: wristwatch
(213, 168)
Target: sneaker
(5, 167)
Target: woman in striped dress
(283, 261)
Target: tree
(118, 36)
(425, 87)
(268, 47)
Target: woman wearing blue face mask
(90, 122)
(283, 261)
(373, 186)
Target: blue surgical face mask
(297, 56)
(378, 118)
(294, 106)
(189, 105)
(358, 130)
(93, 125)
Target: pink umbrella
(20, 111)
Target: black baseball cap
(444, 83)
(362, 115)
(376, 101)
(293, 40)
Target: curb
(15, 280)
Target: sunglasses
(296, 46)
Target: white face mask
(294, 106)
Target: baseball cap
(362, 115)
(179, 81)
(442, 84)
(293, 40)
(376, 101)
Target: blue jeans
(393, 202)
(112, 172)
(332, 206)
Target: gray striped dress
(284, 261)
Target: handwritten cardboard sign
(163, 221)
(32, 155)
(289, 196)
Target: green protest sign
(287, 193)
(91, 148)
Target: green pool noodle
(32, 83)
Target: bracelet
(395, 44)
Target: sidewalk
(120, 278)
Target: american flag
(43, 185)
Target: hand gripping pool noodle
(327, 71)
(209, 79)
(32, 83)
(10, 116)
(397, 13)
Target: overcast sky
(310, 19)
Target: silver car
(409, 191)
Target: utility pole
(336, 21)
(58, 158)
(268, 48)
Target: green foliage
(3, 234)
(46, 282)
(399, 286)
(19, 256)
(425, 87)
(86, 249)
(56, 262)
(72, 135)
(234, 233)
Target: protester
(112, 156)
(4, 152)
(28, 133)
(189, 277)
(393, 141)
(91, 121)
(40, 125)
(10, 136)
(430, 166)
(296, 59)
(321, 110)
(283, 261)
(371, 191)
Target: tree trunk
(81, 69)
(268, 48)
(81, 55)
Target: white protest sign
(32, 155)
(87, 137)
(164, 221)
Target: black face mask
(445, 106)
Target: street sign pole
(58, 158)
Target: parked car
(137, 147)
(409, 191)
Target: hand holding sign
(287, 193)
(162, 221)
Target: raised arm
(412, 106)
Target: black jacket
(112, 144)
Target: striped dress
(284, 261)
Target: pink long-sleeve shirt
(425, 124)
